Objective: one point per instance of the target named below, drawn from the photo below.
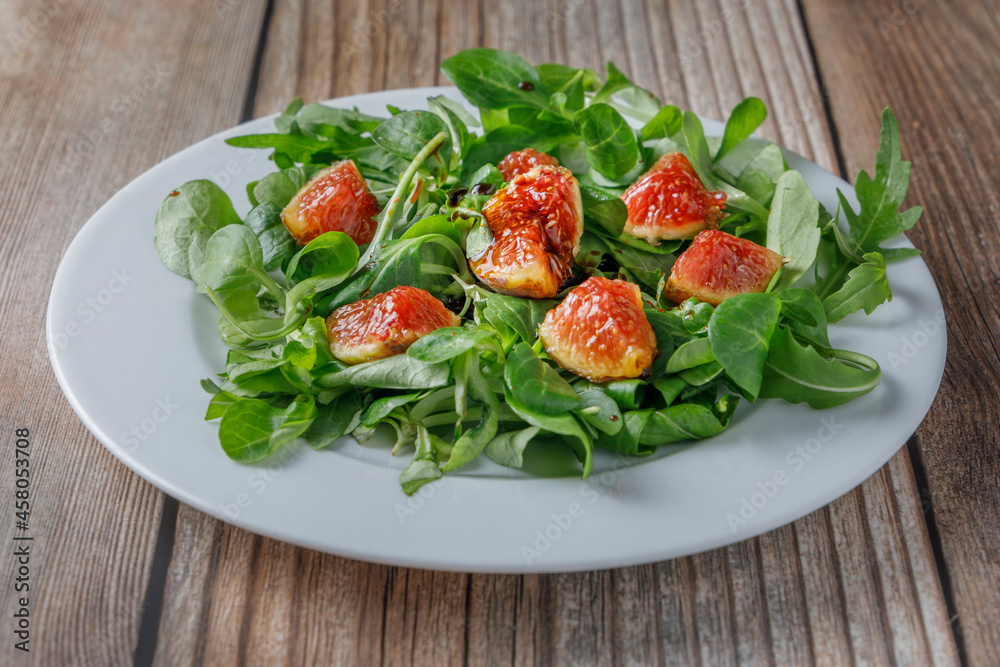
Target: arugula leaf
(881, 198)
(792, 227)
(804, 314)
(867, 288)
(800, 374)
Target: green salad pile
(487, 387)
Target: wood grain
(937, 67)
(91, 95)
(855, 581)
(94, 94)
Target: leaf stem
(397, 196)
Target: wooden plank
(826, 589)
(90, 96)
(936, 66)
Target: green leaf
(449, 342)
(667, 122)
(611, 145)
(686, 421)
(279, 187)
(740, 331)
(495, 79)
(800, 374)
(698, 153)
(507, 448)
(880, 217)
(334, 419)
(803, 311)
(397, 372)
(745, 118)
(234, 259)
(333, 254)
(424, 466)
(186, 220)
(692, 353)
(456, 126)
(564, 424)
(867, 288)
(538, 386)
(760, 176)
(471, 443)
(253, 429)
(407, 133)
(599, 410)
(607, 210)
(276, 243)
(793, 227)
(381, 408)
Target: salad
(542, 272)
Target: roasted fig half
(336, 199)
(600, 331)
(536, 223)
(719, 265)
(386, 324)
(670, 202)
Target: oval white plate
(129, 342)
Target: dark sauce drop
(482, 189)
(526, 85)
(456, 195)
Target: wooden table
(904, 569)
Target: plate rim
(788, 515)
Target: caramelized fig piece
(536, 221)
(719, 265)
(523, 161)
(386, 324)
(670, 202)
(336, 199)
(600, 331)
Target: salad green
(487, 387)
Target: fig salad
(575, 266)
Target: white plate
(129, 342)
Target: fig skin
(336, 199)
(522, 161)
(670, 202)
(386, 324)
(718, 265)
(537, 222)
(600, 331)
